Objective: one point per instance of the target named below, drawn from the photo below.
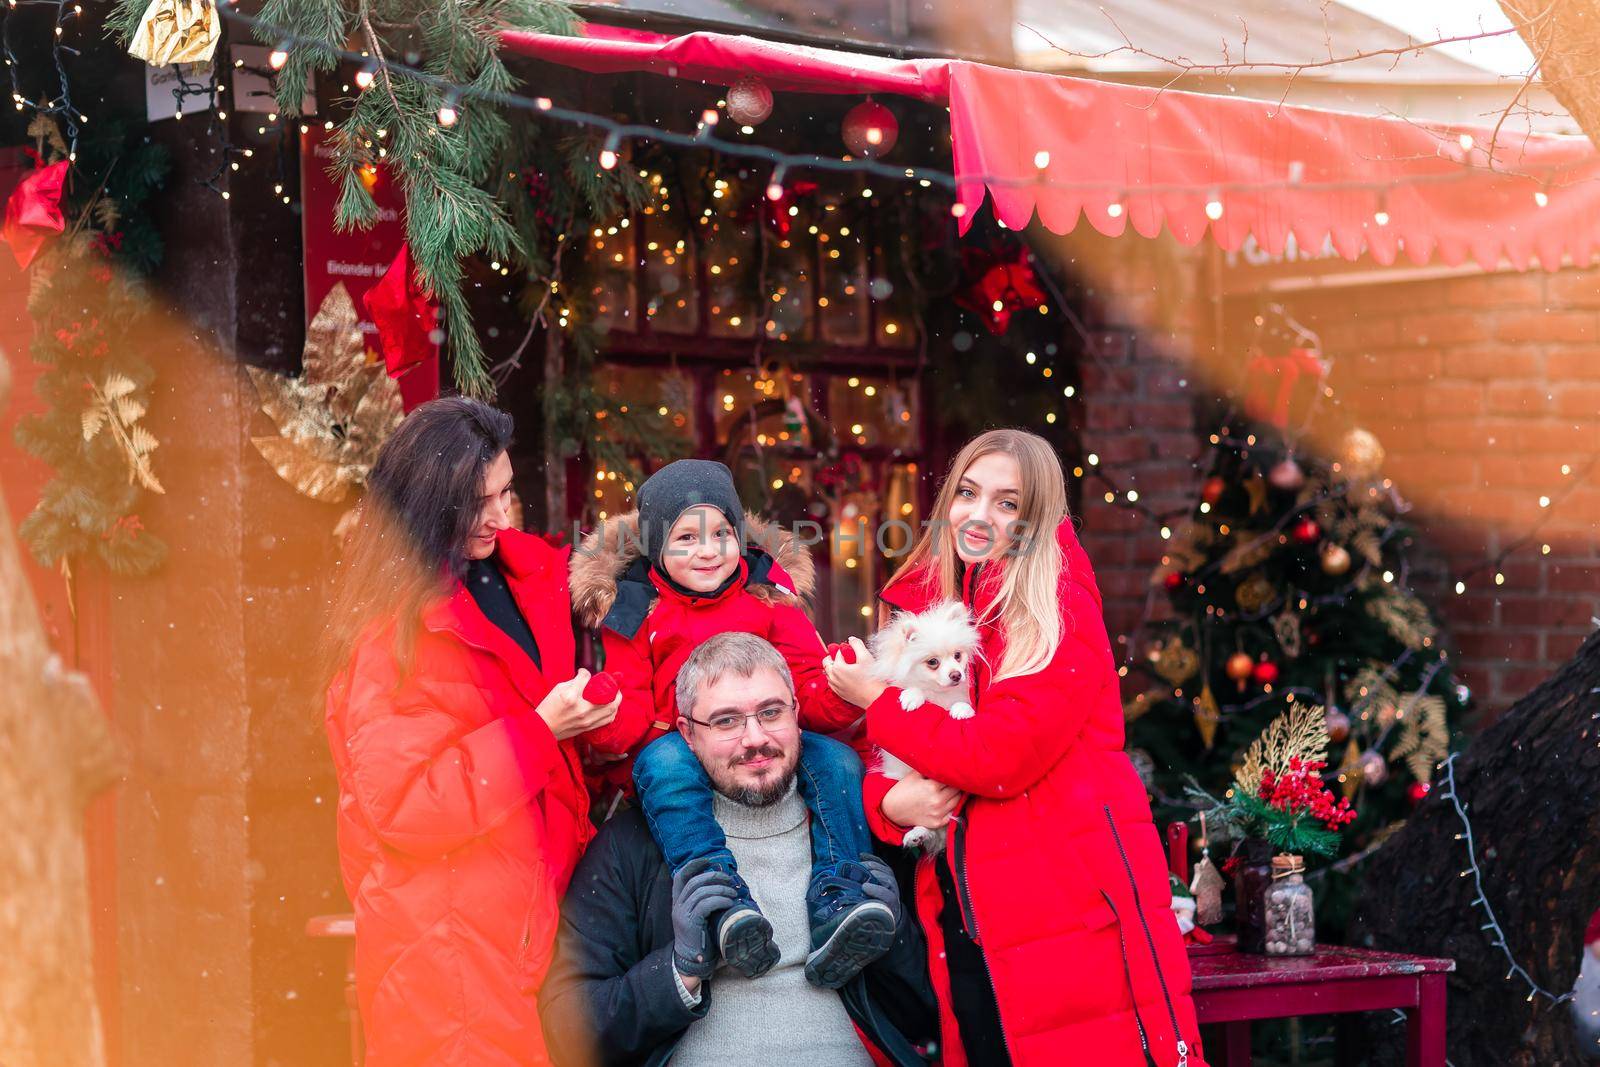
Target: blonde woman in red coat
(1050, 935)
(462, 806)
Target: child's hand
(849, 673)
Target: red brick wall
(1481, 388)
(1147, 317)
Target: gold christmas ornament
(1177, 662)
(1335, 559)
(333, 417)
(177, 31)
(1350, 769)
(1286, 625)
(1256, 489)
(1207, 714)
(1254, 593)
(1360, 455)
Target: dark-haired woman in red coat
(462, 806)
(1051, 938)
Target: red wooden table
(1233, 989)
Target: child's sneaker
(848, 929)
(744, 936)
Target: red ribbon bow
(1261, 402)
(33, 212)
(407, 320)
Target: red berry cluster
(1300, 789)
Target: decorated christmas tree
(1289, 583)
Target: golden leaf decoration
(1424, 734)
(112, 409)
(1405, 617)
(332, 419)
(1299, 733)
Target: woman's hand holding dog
(918, 801)
(849, 672)
(566, 712)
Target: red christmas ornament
(407, 320)
(1211, 490)
(601, 689)
(1264, 673)
(1417, 791)
(1173, 581)
(1001, 284)
(33, 212)
(870, 130)
(1306, 531)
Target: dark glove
(880, 884)
(699, 891)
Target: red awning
(1128, 156)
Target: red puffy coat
(646, 644)
(460, 818)
(1054, 834)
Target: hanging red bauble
(1338, 724)
(1211, 490)
(407, 320)
(870, 129)
(33, 212)
(1239, 667)
(1264, 672)
(998, 284)
(1417, 791)
(1306, 531)
(1173, 581)
(749, 101)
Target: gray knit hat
(677, 487)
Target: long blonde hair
(1027, 606)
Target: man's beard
(761, 796)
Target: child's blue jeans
(675, 794)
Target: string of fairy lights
(1450, 792)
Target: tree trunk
(55, 754)
(1531, 785)
(1564, 36)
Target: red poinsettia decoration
(1000, 283)
(33, 212)
(407, 319)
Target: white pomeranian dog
(929, 656)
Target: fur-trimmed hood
(606, 553)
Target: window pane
(671, 297)
(842, 300)
(610, 251)
(874, 412)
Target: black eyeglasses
(731, 724)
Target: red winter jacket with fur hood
(646, 645)
(1056, 860)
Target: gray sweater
(778, 1018)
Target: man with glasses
(629, 985)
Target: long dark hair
(411, 535)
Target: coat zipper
(958, 860)
(1150, 943)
